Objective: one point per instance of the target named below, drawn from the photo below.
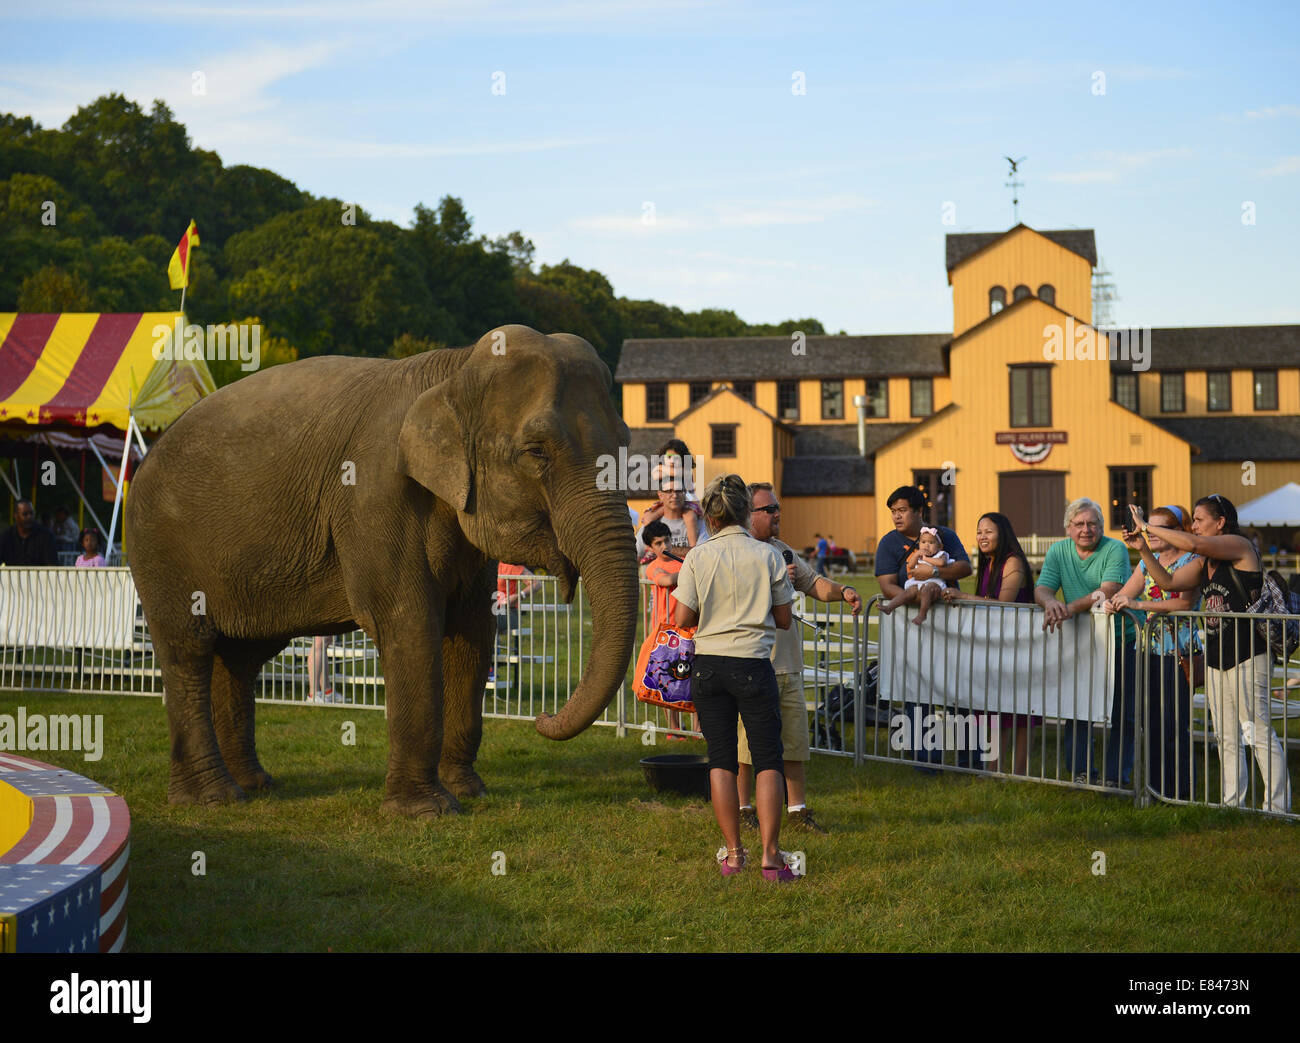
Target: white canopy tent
(1279, 508)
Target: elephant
(335, 493)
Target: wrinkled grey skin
(462, 457)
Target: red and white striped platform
(63, 880)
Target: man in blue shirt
(823, 552)
(906, 504)
(1088, 568)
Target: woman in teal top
(1169, 695)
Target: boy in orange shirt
(662, 572)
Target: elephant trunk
(595, 535)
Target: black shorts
(723, 687)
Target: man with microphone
(787, 663)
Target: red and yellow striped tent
(90, 370)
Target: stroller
(837, 709)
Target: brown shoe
(749, 818)
(803, 820)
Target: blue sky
(772, 203)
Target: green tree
(716, 322)
(122, 278)
(405, 346)
(273, 351)
(136, 169)
(329, 286)
(651, 319)
(811, 327)
(51, 289)
(595, 296)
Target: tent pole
(80, 492)
(103, 463)
(117, 500)
(10, 484)
(139, 436)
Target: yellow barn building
(1023, 407)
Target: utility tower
(1104, 295)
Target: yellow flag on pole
(178, 269)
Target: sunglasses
(774, 508)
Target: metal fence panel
(1226, 739)
(978, 688)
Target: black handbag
(1281, 636)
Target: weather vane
(1014, 185)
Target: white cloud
(410, 150)
(623, 224)
(748, 214)
(499, 14)
(1271, 111)
(746, 260)
(1286, 165)
(1083, 177)
(235, 103)
(1116, 164)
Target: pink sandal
(724, 856)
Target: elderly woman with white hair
(735, 591)
(1089, 568)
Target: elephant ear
(432, 448)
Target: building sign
(1031, 447)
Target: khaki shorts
(794, 722)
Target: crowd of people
(737, 587)
(29, 543)
(1187, 561)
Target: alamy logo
(963, 732)
(242, 341)
(636, 472)
(75, 996)
(1079, 342)
(24, 733)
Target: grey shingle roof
(728, 391)
(647, 440)
(828, 476)
(1237, 438)
(769, 358)
(841, 439)
(959, 246)
(1219, 347)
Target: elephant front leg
(413, 689)
(466, 657)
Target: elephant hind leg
(198, 771)
(234, 674)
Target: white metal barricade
(978, 687)
(1221, 717)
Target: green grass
(595, 861)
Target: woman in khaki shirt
(733, 588)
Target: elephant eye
(537, 452)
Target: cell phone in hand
(788, 556)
